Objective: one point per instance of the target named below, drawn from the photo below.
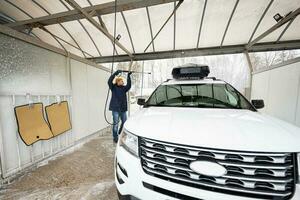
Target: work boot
(115, 140)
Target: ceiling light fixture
(277, 17)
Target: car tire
(123, 197)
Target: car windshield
(199, 95)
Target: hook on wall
(29, 100)
(58, 99)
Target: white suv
(201, 139)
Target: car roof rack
(213, 78)
(190, 71)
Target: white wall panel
(283, 92)
(9, 133)
(88, 91)
(25, 68)
(260, 87)
(279, 87)
(97, 90)
(298, 108)
(80, 98)
(60, 76)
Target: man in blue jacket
(118, 102)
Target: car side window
(189, 90)
(159, 96)
(232, 96)
(220, 93)
(204, 90)
(243, 103)
(173, 91)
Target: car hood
(229, 129)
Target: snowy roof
(195, 23)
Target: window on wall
(231, 68)
(264, 60)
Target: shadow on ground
(86, 174)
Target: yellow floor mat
(32, 125)
(58, 117)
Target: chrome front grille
(259, 175)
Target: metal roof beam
(4, 19)
(105, 28)
(260, 20)
(28, 15)
(284, 30)
(233, 49)
(128, 31)
(43, 28)
(101, 9)
(98, 26)
(283, 21)
(31, 40)
(101, 23)
(201, 23)
(63, 27)
(229, 21)
(150, 27)
(161, 28)
(174, 28)
(84, 28)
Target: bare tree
(266, 59)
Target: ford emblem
(208, 168)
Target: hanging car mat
(58, 117)
(32, 125)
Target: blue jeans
(116, 119)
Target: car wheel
(123, 197)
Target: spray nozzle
(127, 71)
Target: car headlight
(129, 142)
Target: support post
(248, 94)
(2, 162)
(128, 96)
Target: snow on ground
(85, 174)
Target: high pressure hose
(112, 65)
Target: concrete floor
(86, 173)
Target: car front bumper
(131, 180)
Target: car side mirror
(141, 102)
(258, 103)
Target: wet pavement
(86, 174)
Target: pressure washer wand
(127, 71)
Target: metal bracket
(29, 100)
(58, 99)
